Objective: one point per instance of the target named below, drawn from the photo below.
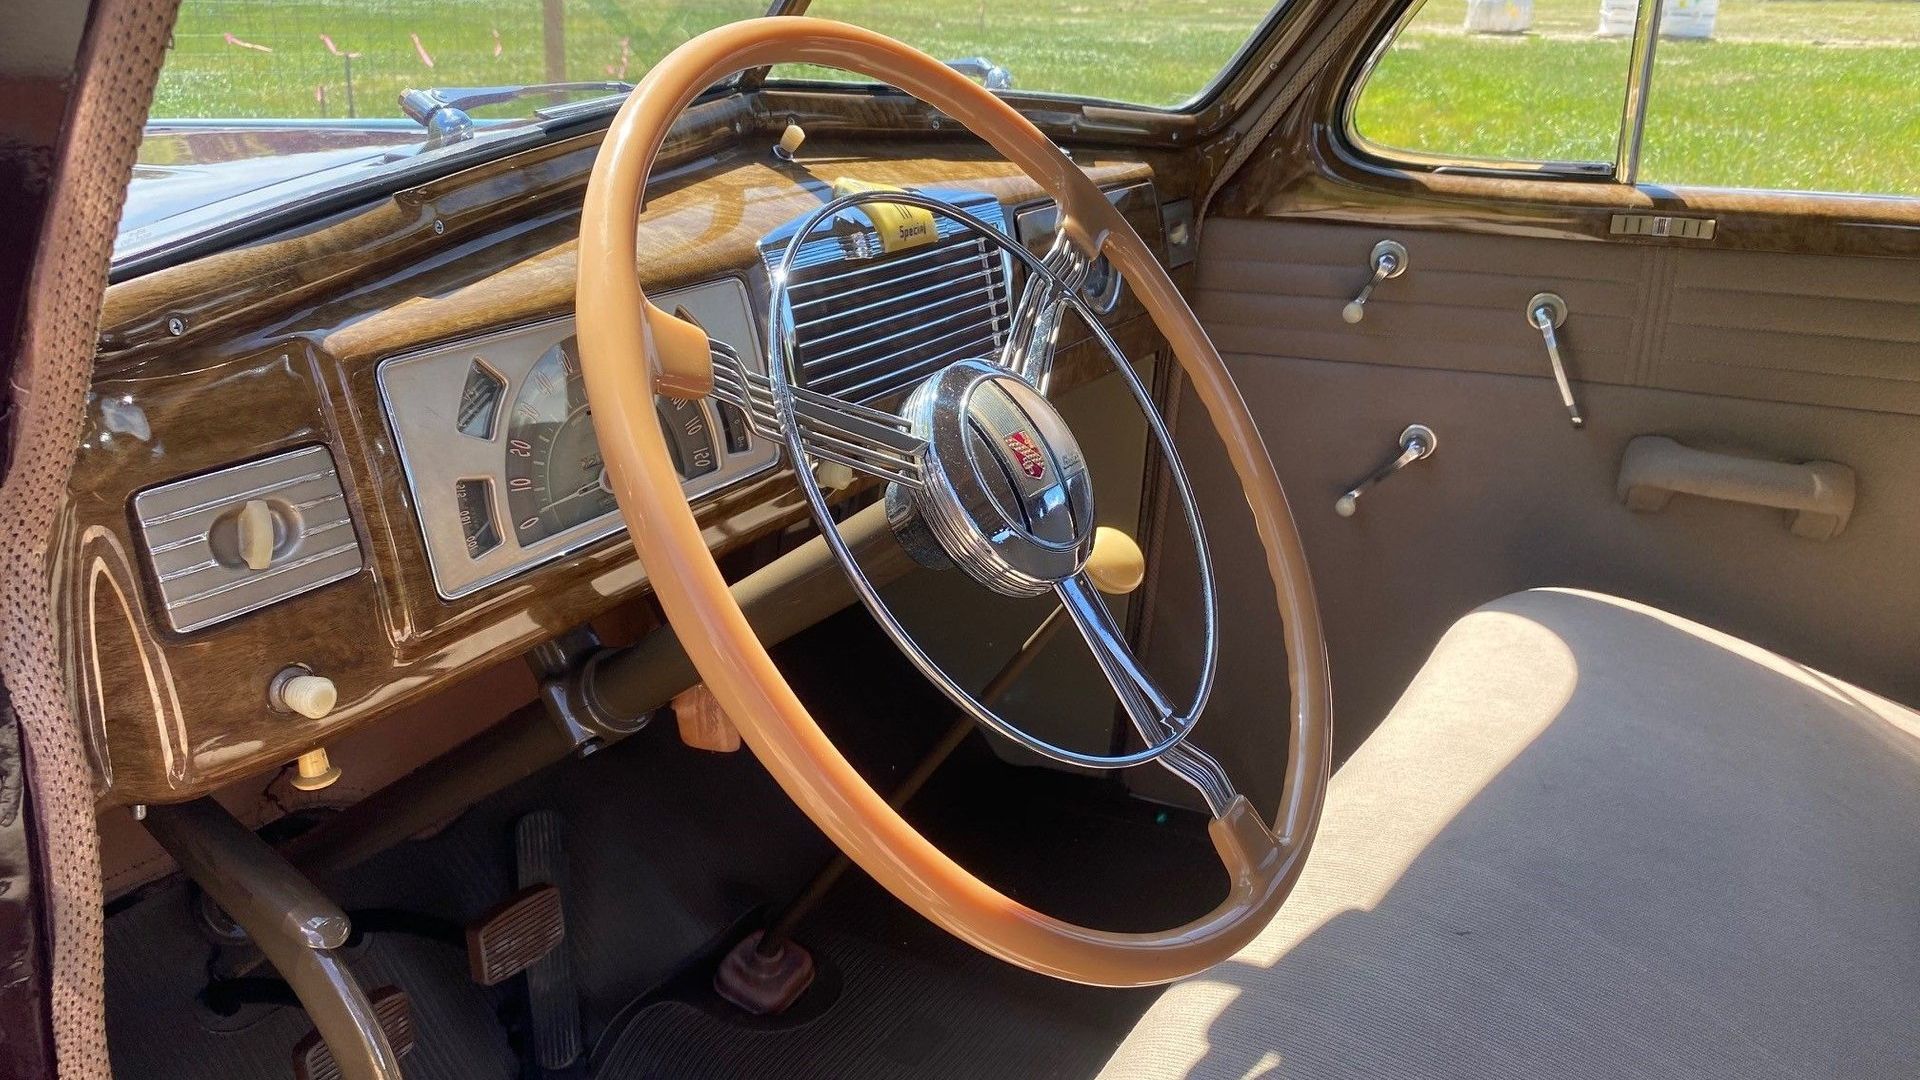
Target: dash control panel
(497, 441)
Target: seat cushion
(1592, 840)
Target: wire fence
(349, 58)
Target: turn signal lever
(1417, 442)
(1389, 261)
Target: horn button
(1006, 496)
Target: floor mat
(157, 1031)
(922, 1006)
(900, 998)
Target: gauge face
(479, 401)
(555, 476)
(474, 500)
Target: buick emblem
(1027, 455)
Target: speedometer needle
(598, 483)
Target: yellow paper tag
(900, 227)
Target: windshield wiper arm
(983, 71)
(443, 110)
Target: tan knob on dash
(309, 695)
(313, 771)
(789, 143)
(255, 526)
(1116, 566)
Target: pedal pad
(553, 1001)
(313, 1059)
(513, 936)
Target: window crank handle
(1546, 311)
(1416, 443)
(1389, 260)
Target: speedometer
(498, 443)
(555, 476)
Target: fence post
(553, 23)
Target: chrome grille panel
(868, 325)
(187, 526)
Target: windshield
(263, 104)
(341, 59)
(1161, 53)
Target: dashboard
(397, 390)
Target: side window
(1775, 95)
(1509, 82)
(1794, 95)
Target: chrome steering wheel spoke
(865, 439)
(1151, 713)
(957, 420)
(1035, 328)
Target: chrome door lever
(1416, 443)
(1546, 312)
(1389, 260)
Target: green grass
(1813, 95)
(205, 76)
(1803, 94)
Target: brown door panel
(1277, 288)
(1516, 497)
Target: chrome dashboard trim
(434, 455)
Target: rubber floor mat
(925, 1007)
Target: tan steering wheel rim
(618, 327)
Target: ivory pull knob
(256, 534)
(312, 771)
(789, 143)
(1116, 566)
(311, 696)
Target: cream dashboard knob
(309, 695)
(789, 143)
(255, 526)
(313, 771)
(1116, 566)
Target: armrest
(1818, 493)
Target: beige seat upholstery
(1592, 840)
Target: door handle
(1547, 312)
(1818, 494)
(1389, 260)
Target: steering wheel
(1025, 534)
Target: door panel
(1792, 358)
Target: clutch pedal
(312, 1060)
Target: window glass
(333, 59)
(1804, 95)
(1145, 52)
(1504, 80)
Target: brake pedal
(515, 936)
(553, 1001)
(312, 1060)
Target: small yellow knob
(311, 696)
(1116, 566)
(789, 143)
(255, 526)
(312, 771)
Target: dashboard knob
(789, 143)
(313, 771)
(255, 526)
(1116, 566)
(312, 696)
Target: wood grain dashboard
(273, 346)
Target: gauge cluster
(497, 441)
